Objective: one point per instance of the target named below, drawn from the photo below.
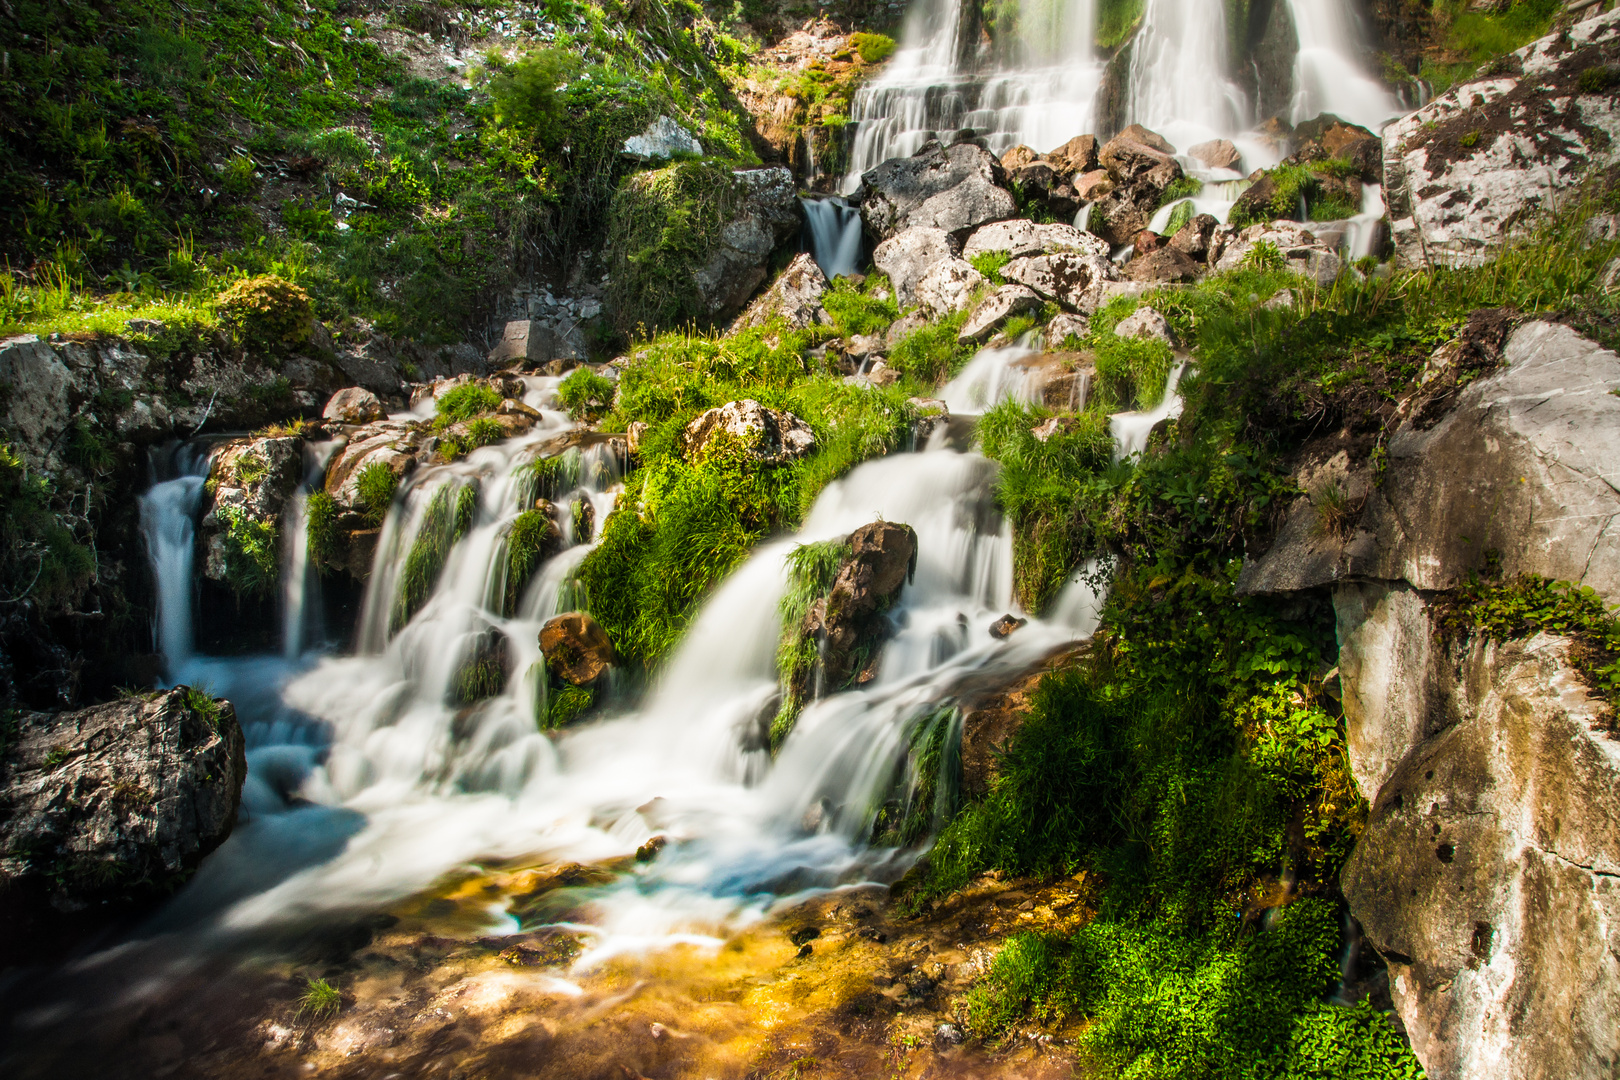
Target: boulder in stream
(851, 620)
(113, 806)
(901, 186)
(576, 648)
(354, 405)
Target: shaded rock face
(1489, 874)
(1521, 465)
(769, 436)
(1466, 168)
(115, 804)
(902, 187)
(766, 217)
(576, 648)
(795, 295)
(850, 622)
(252, 478)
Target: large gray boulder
(901, 186)
(1072, 279)
(949, 286)
(966, 206)
(1024, 237)
(1523, 465)
(767, 216)
(795, 297)
(996, 309)
(113, 805)
(906, 256)
(1479, 160)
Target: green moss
(567, 705)
(873, 48)
(532, 537)
(320, 528)
(1179, 216)
(448, 516)
(662, 228)
(266, 310)
(1117, 21)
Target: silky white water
(367, 783)
(1328, 73)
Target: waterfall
(168, 527)
(1041, 92)
(1178, 80)
(300, 591)
(1131, 430)
(1327, 75)
(835, 235)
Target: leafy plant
(989, 263)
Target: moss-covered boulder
(249, 484)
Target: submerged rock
(113, 805)
(576, 648)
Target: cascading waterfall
(1178, 84)
(835, 235)
(368, 781)
(300, 591)
(1327, 75)
(168, 527)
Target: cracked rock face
(902, 192)
(1474, 162)
(795, 296)
(1489, 874)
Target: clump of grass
(990, 263)
(873, 48)
(567, 704)
(532, 538)
(585, 394)
(811, 570)
(856, 309)
(463, 403)
(448, 516)
(320, 528)
(201, 703)
(1336, 512)
(319, 1001)
(252, 551)
(1185, 187)
(375, 485)
(931, 354)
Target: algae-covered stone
(576, 648)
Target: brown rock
(1147, 240)
(576, 648)
(1164, 264)
(1193, 238)
(1078, 155)
(1017, 158)
(770, 436)
(1134, 151)
(1217, 154)
(850, 621)
(1005, 625)
(354, 405)
(1036, 178)
(1093, 185)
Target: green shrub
(375, 485)
(524, 95)
(40, 558)
(874, 48)
(585, 394)
(463, 403)
(266, 310)
(252, 552)
(320, 528)
(662, 228)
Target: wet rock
(1035, 179)
(794, 296)
(1216, 154)
(1070, 279)
(113, 805)
(1466, 169)
(1004, 626)
(355, 405)
(576, 648)
(662, 140)
(932, 414)
(1134, 151)
(1147, 241)
(1093, 185)
(250, 482)
(393, 445)
(1193, 238)
(1301, 251)
(901, 185)
(1163, 264)
(850, 622)
(649, 851)
(801, 934)
(946, 1036)
(948, 286)
(996, 309)
(1144, 323)
(1024, 237)
(1078, 155)
(906, 256)
(769, 436)
(1328, 138)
